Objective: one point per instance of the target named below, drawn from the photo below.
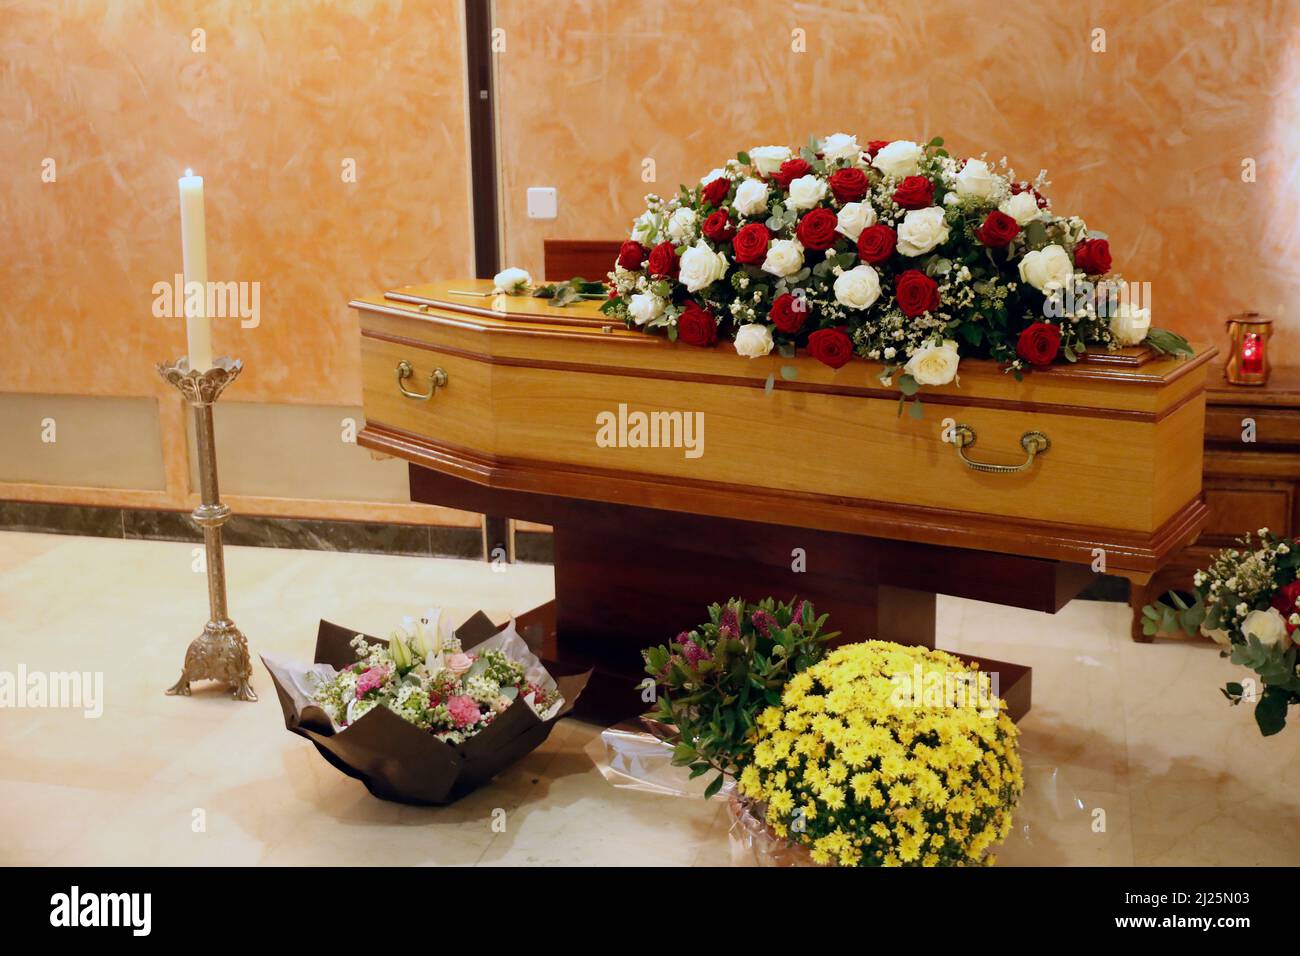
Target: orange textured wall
(1145, 140)
(113, 92)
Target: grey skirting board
(425, 541)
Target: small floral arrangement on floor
(864, 772)
(424, 677)
(872, 754)
(1247, 600)
(893, 251)
(714, 679)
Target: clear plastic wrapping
(631, 757)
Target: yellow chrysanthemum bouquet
(886, 755)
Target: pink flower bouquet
(426, 716)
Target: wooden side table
(1252, 475)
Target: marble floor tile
(1131, 754)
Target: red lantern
(1247, 349)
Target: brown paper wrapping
(397, 760)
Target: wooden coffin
(521, 392)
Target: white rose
(853, 218)
(1130, 325)
(976, 179)
(1047, 269)
(840, 146)
(1022, 207)
(768, 159)
(512, 281)
(753, 340)
(645, 306)
(858, 288)
(921, 230)
(784, 257)
(1218, 635)
(681, 225)
(806, 192)
(1268, 627)
(643, 229)
(934, 364)
(700, 267)
(711, 176)
(900, 158)
(751, 197)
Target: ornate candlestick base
(220, 653)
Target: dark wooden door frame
(481, 95)
(482, 136)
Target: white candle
(194, 248)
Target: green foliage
(1171, 613)
(1168, 343)
(715, 679)
(574, 290)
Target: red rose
(696, 326)
(790, 170)
(751, 243)
(1039, 343)
(631, 254)
(875, 146)
(916, 293)
(716, 191)
(717, 226)
(788, 312)
(830, 347)
(997, 230)
(816, 230)
(876, 244)
(663, 261)
(914, 192)
(1285, 602)
(848, 184)
(1093, 256)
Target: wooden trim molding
(1129, 554)
(433, 305)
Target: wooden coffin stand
(813, 487)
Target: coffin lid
(463, 315)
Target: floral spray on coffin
(894, 251)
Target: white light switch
(541, 202)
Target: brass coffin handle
(1034, 444)
(437, 379)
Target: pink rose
(464, 712)
(373, 679)
(459, 663)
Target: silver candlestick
(221, 652)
